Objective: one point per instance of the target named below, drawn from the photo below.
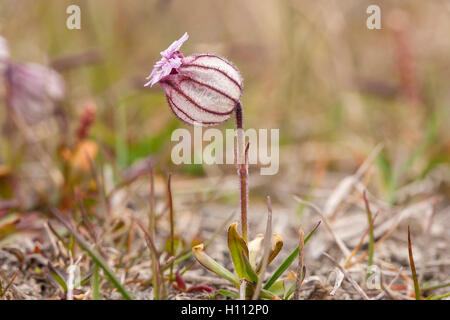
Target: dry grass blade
(151, 231)
(155, 262)
(338, 241)
(172, 223)
(361, 241)
(386, 290)
(438, 286)
(3, 291)
(57, 235)
(300, 267)
(100, 187)
(167, 263)
(93, 254)
(86, 221)
(266, 252)
(345, 186)
(391, 267)
(413, 267)
(349, 278)
(242, 289)
(151, 218)
(379, 242)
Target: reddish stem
(242, 165)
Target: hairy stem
(242, 168)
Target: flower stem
(172, 224)
(242, 165)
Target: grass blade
(286, 263)
(157, 275)
(151, 216)
(442, 296)
(413, 267)
(228, 294)
(3, 291)
(360, 243)
(57, 276)
(172, 224)
(94, 255)
(96, 284)
(300, 267)
(371, 239)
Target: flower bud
(201, 89)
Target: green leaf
(413, 267)
(249, 273)
(58, 277)
(442, 296)
(389, 179)
(228, 294)
(371, 237)
(265, 294)
(66, 245)
(238, 249)
(277, 288)
(94, 256)
(210, 264)
(286, 263)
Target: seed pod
(201, 89)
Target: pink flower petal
(175, 46)
(171, 59)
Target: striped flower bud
(201, 89)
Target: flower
(201, 89)
(171, 59)
(32, 90)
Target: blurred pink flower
(172, 58)
(201, 89)
(32, 90)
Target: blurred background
(339, 93)
(313, 69)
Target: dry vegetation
(364, 122)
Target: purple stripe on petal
(183, 116)
(193, 65)
(211, 88)
(179, 91)
(209, 55)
